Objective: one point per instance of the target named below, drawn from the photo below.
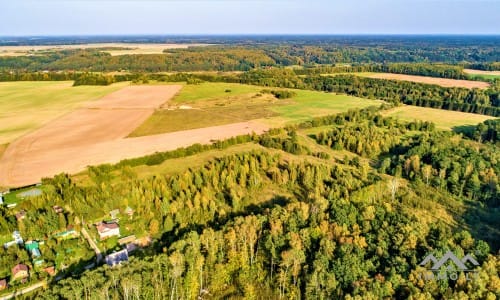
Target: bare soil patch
(444, 82)
(30, 168)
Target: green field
(308, 104)
(192, 93)
(210, 104)
(224, 103)
(444, 119)
(483, 76)
(25, 106)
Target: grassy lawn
(14, 197)
(444, 119)
(25, 106)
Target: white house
(107, 230)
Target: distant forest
(246, 53)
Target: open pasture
(210, 104)
(308, 104)
(444, 119)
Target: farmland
(112, 48)
(209, 104)
(444, 82)
(38, 153)
(443, 119)
(25, 106)
(484, 75)
(219, 172)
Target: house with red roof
(20, 271)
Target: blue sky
(101, 17)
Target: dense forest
(292, 223)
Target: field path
(96, 134)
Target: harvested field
(112, 48)
(444, 82)
(26, 169)
(62, 144)
(28, 105)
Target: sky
(122, 17)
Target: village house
(107, 230)
(20, 271)
(33, 248)
(18, 240)
(3, 284)
(68, 234)
(117, 257)
(50, 270)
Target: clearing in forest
(444, 82)
(444, 119)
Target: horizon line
(243, 34)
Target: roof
(36, 252)
(103, 227)
(57, 209)
(31, 245)
(127, 239)
(50, 270)
(117, 257)
(21, 214)
(18, 268)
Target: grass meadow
(212, 104)
(444, 119)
